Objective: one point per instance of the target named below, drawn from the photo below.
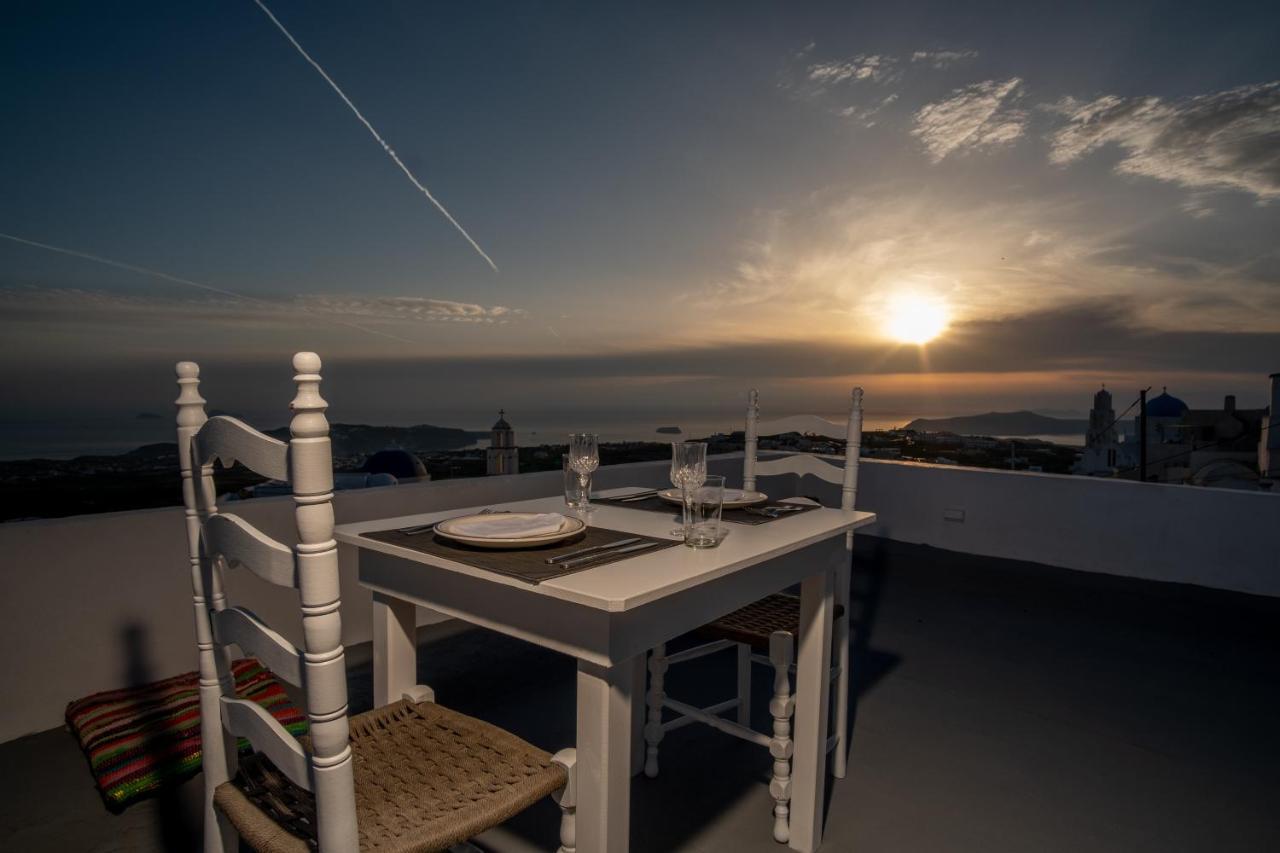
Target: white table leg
(395, 653)
(813, 665)
(605, 744)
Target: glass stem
(686, 502)
(585, 488)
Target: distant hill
(1002, 423)
(362, 439)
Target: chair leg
(567, 798)
(653, 728)
(744, 685)
(781, 708)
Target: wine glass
(688, 472)
(584, 457)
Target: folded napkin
(734, 495)
(509, 525)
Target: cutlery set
(600, 552)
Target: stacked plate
(510, 530)
(732, 497)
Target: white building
(502, 456)
(1102, 441)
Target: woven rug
(141, 739)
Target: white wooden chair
(411, 776)
(764, 632)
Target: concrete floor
(1000, 706)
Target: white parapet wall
(95, 602)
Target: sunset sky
(681, 200)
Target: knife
(601, 555)
(635, 496)
(551, 561)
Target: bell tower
(502, 457)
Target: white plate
(571, 527)
(733, 498)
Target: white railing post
(311, 478)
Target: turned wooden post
(749, 448)
(567, 799)
(781, 707)
(653, 727)
(324, 666)
(218, 749)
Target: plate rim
(663, 495)
(576, 526)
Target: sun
(913, 318)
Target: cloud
(976, 117)
(873, 67)
(867, 116)
(1226, 140)
(942, 58)
(410, 309)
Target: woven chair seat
(426, 778)
(754, 623)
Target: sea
(107, 436)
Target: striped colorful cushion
(142, 738)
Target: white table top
(630, 583)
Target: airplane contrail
(188, 282)
(385, 147)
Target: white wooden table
(608, 617)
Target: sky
(663, 204)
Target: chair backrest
(803, 463)
(219, 541)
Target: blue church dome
(1165, 406)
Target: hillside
(1001, 423)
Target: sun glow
(913, 318)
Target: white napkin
(731, 495)
(509, 525)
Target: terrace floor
(1000, 706)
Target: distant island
(1002, 423)
(669, 430)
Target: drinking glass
(584, 457)
(705, 507)
(688, 470)
(573, 490)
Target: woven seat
(426, 778)
(754, 623)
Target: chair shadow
(177, 825)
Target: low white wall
(92, 602)
(1218, 538)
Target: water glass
(706, 504)
(573, 488)
(688, 468)
(584, 457)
